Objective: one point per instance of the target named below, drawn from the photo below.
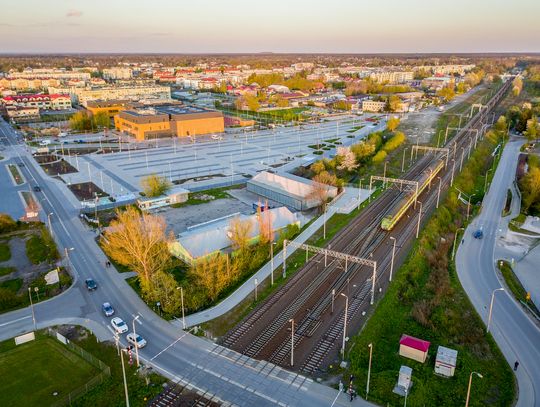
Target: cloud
(164, 34)
(74, 13)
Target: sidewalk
(347, 201)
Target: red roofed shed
(413, 348)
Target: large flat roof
(288, 184)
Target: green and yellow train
(401, 206)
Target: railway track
(306, 298)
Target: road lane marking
(16, 320)
(172, 344)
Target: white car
(138, 341)
(119, 325)
(216, 137)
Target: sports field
(32, 372)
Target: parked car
(107, 308)
(37, 188)
(90, 284)
(478, 234)
(138, 341)
(119, 325)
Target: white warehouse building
(287, 189)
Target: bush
(394, 142)
(5, 253)
(7, 224)
(379, 157)
(41, 248)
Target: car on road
(136, 340)
(478, 234)
(91, 285)
(107, 309)
(216, 137)
(37, 188)
(119, 325)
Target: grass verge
(5, 253)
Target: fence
(105, 371)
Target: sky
(242, 26)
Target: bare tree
(139, 242)
(319, 188)
(239, 232)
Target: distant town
(269, 229)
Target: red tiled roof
(414, 343)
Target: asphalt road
(178, 355)
(514, 331)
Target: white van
(44, 142)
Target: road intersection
(226, 375)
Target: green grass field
(5, 253)
(33, 371)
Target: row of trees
(83, 121)
(524, 120)
(529, 186)
(295, 82)
(140, 242)
(374, 150)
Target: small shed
(173, 196)
(445, 364)
(404, 383)
(413, 348)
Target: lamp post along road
(455, 238)
(370, 346)
(32, 307)
(491, 306)
(135, 337)
(469, 388)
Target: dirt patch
(45, 158)
(59, 167)
(86, 191)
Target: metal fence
(105, 371)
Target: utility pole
(344, 325)
(419, 218)
(393, 254)
(292, 341)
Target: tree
(101, 119)
(239, 233)
(347, 159)
(392, 123)
(530, 185)
(447, 93)
(140, 243)
(153, 185)
(164, 290)
(266, 229)
(394, 142)
(517, 86)
(317, 167)
(393, 104)
(363, 150)
(252, 102)
(319, 188)
(379, 157)
(501, 124)
(7, 224)
(532, 129)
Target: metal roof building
(212, 237)
(287, 189)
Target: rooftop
(415, 343)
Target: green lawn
(6, 270)
(33, 371)
(40, 248)
(513, 283)
(5, 253)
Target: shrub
(379, 157)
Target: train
(400, 207)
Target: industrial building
(289, 190)
(111, 107)
(168, 121)
(212, 237)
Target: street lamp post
(485, 182)
(135, 337)
(124, 376)
(419, 219)
(333, 295)
(370, 346)
(453, 170)
(256, 282)
(345, 325)
(32, 307)
(439, 192)
(182, 301)
(393, 254)
(491, 306)
(292, 341)
(469, 205)
(469, 388)
(49, 221)
(403, 160)
(455, 238)
(272, 263)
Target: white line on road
(16, 320)
(172, 344)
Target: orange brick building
(169, 121)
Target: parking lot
(210, 163)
